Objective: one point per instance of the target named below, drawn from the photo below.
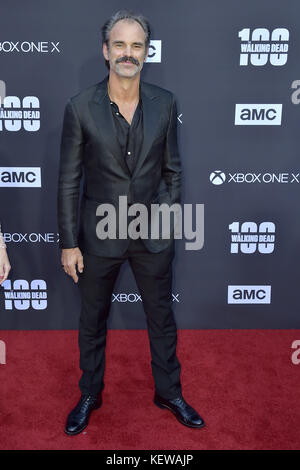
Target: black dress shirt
(130, 137)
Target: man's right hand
(70, 257)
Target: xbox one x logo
(217, 177)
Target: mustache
(127, 58)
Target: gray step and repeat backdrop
(234, 68)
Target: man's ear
(105, 51)
(146, 55)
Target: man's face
(126, 52)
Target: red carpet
(242, 382)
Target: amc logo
(249, 294)
(20, 176)
(258, 114)
(154, 51)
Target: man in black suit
(122, 133)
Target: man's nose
(128, 50)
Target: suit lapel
(151, 118)
(102, 115)
(101, 112)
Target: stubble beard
(117, 68)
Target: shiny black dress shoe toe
(78, 419)
(184, 413)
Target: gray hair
(125, 15)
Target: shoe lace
(86, 401)
(179, 401)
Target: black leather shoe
(78, 419)
(184, 413)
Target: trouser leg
(153, 274)
(96, 286)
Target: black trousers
(153, 275)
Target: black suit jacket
(90, 149)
